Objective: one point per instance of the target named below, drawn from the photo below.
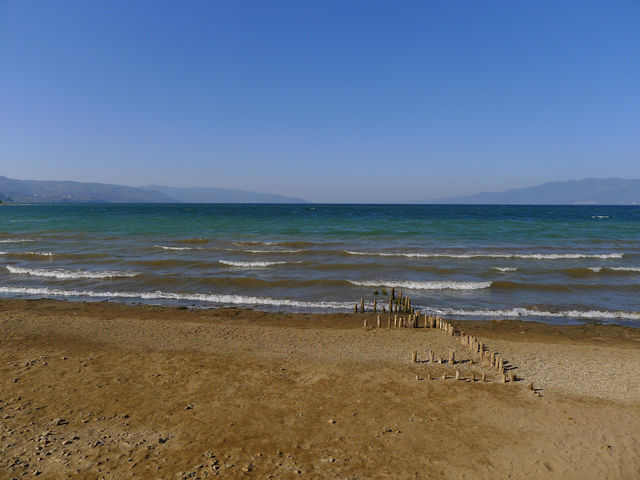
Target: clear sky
(343, 100)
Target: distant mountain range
(590, 191)
(36, 191)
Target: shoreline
(111, 390)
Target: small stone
(331, 420)
(189, 407)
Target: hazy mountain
(590, 191)
(36, 191)
(219, 195)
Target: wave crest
(69, 274)
(528, 312)
(250, 264)
(531, 256)
(450, 285)
(193, 297)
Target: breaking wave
(250, 264)
(193, 297)
(423, 285)
(69, 274)
(528, 312)
(533, 256)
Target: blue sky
(359, 101)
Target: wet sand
(104, 390)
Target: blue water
(561, 264)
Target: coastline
(160, 392)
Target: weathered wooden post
(361, 304)
(431, 356)
(452, 356)
(378, 321)
(414, 356)
(375, 305)
(366, 324)
(355, 308)
(389, 322)
(457, 374)
(484, 377)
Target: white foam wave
(164, 247)
(625, 269)
(244, 244)
(271, 251)
(423, 285)
(15, 240)
(193, 297)
(595, 269)
(505, 269)
(527, 312)
(533, 256)
(44, 254)
(250, 264)
(69, 274)
(599, 216)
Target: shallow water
(562, 264)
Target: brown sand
(102, 390)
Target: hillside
(37, 191)
(590, 191)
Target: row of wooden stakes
(397, 304)
(468, 341)
(413, 321)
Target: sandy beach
(109, 391)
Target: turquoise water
(561, 264)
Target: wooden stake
(355, 308)
(492, 359)
(457, 375)
(366, 324)
(444, 376)
(452, 356)
(389, 322)
(378, 318)
(361, 304)
(484, 377)
(414, 356)
(375, 305)
(395, 321)
(431, 356)
(504, 378)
